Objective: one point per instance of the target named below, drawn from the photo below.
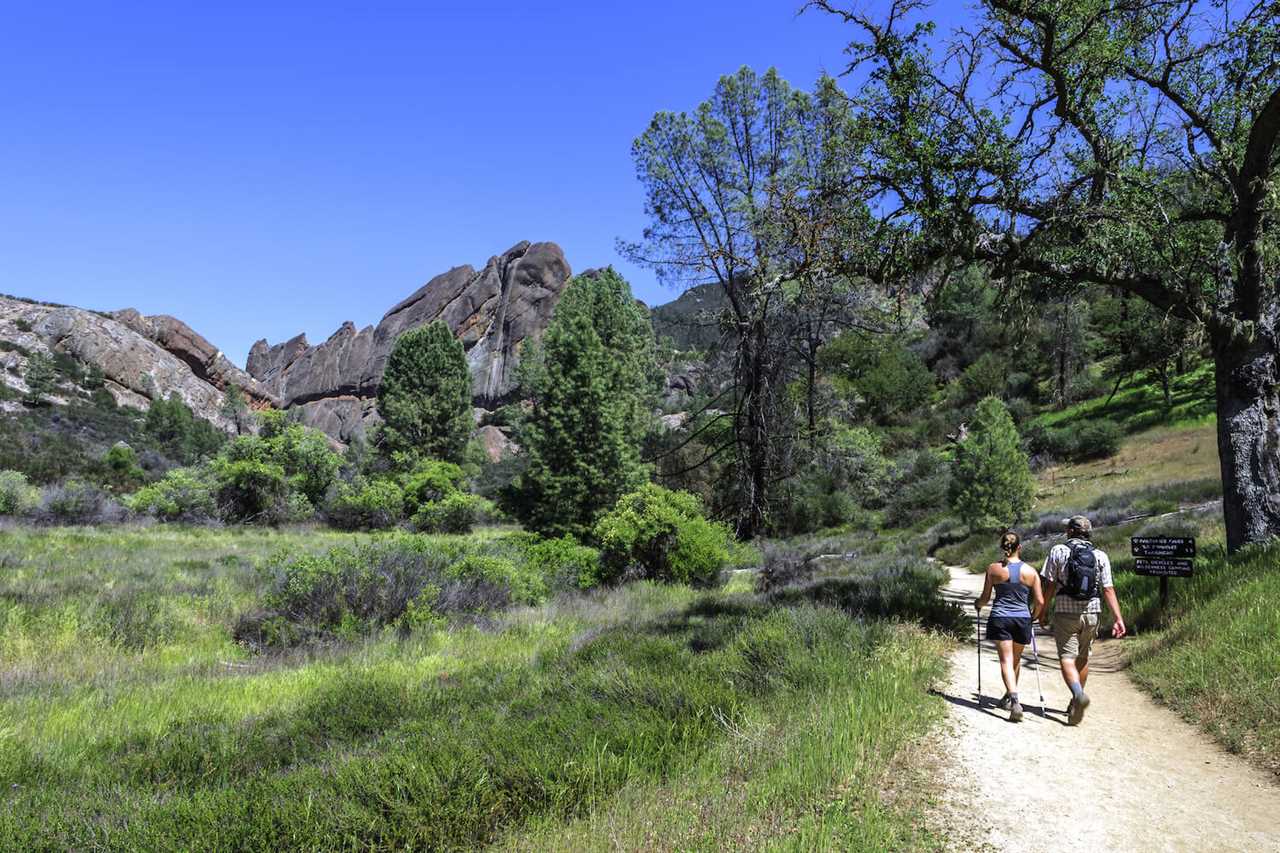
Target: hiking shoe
(1075, 711)
(1015, 712)
(1004, 702)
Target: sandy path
(1132, 776)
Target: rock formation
(493, 312)
(133, 355)
(205, 360)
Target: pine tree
(234, 407)
(41, 377)
(590, 385)
(991, 486)
(425, 397)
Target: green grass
(1140, 406)
(652, 715)
(1217, 658)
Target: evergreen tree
(626, 333)
(991, 485)
(425, 398)
(41, 377)
(590, 387)
(234, 407)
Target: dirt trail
(1132, 776)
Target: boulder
(497, 445)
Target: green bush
(429, 481)
(1093, 439)
(664, 535)
(522, 585)
(17, 495)
(182, 435)
(565, 562)
(366, 505)
(921, 488)
(122, 468)
(986, 377)
(404, 581)
(454, 513)
(183, 494)
(991, 486)
(249, 490)
(309, 463)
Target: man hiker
(1076, 577)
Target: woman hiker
(1015, 584)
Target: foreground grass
(649, 716)
(1215, 657)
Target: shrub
(1093, 439)
(309, 463)
(249, 490)
(78, 502)
(991, 485)
(921, 488)
(665, 536)
(122, 468)
(565, 562)
(430, 481)
(17, 496)
(180, 433)
(184, 494)
(41, 377)
(984, 378)
(522, 585)
(366, 505)
(404, 581)
(455, 513)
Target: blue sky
(261, 169)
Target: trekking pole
(977, 624)
(1036, 651)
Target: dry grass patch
(1161, 456)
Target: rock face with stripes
(493, 311)
(141, 359)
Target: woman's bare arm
(986, 589)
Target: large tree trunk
(1248, 390)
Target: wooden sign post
(1163, 557)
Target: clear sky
(262, 169)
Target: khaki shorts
(1074, 633)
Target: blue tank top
(1012, 596)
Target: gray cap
(1079, 523)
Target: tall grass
(131, 720)
(1217, 659)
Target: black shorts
(1016, 628)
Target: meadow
(648, 715)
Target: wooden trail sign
(1163, 557)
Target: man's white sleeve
(1104, 570)
(1053, 563)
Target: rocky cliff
(141, 358)
(493, 311)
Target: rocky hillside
(493, 311)
(140, 358)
